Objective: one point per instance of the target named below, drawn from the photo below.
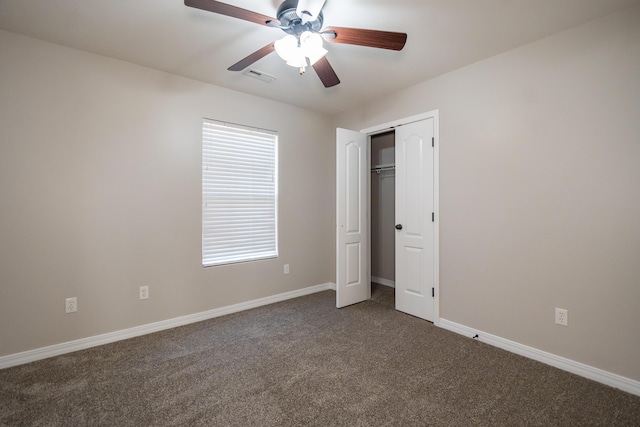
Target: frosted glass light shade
(287, 47)
(311, 45)
(296, 52)
(297, 59)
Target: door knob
(398, 226)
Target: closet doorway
(402, 155)
(383, 210)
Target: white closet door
(352, 264)
(415, 274)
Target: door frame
(385, 127)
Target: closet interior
(383, 197)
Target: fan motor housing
(291, 22)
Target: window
(239, 193)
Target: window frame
(239, 188)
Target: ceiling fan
(302, 21)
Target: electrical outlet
(562, 317)
(71, 305)
(144, 292)
(286, 269)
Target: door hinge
(433, 292)
(433, 217)
(433, 141)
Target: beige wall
(100, 193)
(540, 191)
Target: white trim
(586, 371)
(436, 209)
(399, 122)
(384, 282)
(84, 343)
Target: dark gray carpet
(383, 295)
(303, 362)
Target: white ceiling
(443, 35)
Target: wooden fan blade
(228, 10)
(371, 38)
(324, 70)
(255, 56)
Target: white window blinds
(239, 193)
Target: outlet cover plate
(144, 292)
(71, 305)
(562, 317)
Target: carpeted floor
(303, 362)
(384, 295)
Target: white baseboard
(84, 343)
(596, 374)
(385, 282)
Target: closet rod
(380, 168)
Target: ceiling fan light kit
(301, 51)
(303, 46)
